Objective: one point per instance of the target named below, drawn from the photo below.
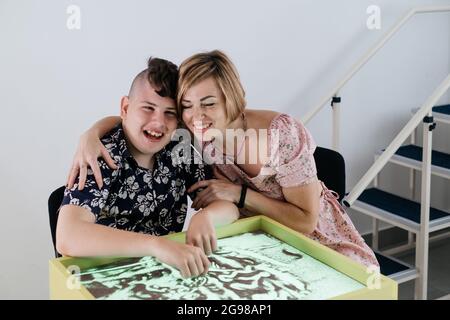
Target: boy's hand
(190, 260)
(201, 232)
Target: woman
(266, 166)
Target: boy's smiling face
(148, 121)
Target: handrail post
(336, 105)
(375, 222)
(412, 185)
(396, 143)
(423, 236)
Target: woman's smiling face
(203, 109)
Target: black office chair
(54, 202)
(331, 170)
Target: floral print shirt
(138, 199)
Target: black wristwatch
(241, 202)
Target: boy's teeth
(154, 133)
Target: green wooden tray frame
(60, 277)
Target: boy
(145, 196)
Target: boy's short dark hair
(163, 76)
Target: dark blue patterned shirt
(137, 199)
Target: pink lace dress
(292, 164)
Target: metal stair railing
(334, 96)
(423, 114)
(425, 110)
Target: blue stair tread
(389, 266)
(445, 109)
(397, 205)
(438, 158)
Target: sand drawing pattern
(248, 266)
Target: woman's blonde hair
(217, 65)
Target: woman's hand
(89, 149)
(201, 232)
(215, 189)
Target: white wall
(55, 83)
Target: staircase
(406, 213)
(418, 218)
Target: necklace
(239, 149)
